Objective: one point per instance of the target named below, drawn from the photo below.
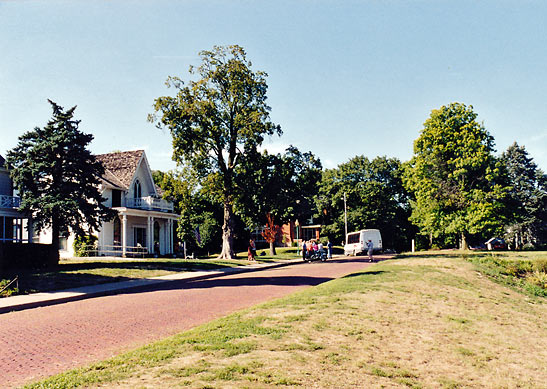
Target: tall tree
(454, 177)
(527, 200)
(217, 119)
(375, 198)
(58, 177)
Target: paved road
(40, 342)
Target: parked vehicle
(356, 242)
(496, 244)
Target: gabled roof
(120, 167)
(2, 161)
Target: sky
(345, 78)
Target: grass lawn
(76, 272)
(430, 320)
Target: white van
(356, 242)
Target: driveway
(40, 342)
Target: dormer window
(137, 189)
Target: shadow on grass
(365, 273)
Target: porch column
(168, 248)
(124, 233)
(149, 235)
(30, 230)
(171, 240)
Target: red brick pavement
(40, 342)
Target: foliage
(12, 290)
(58, 176)
(454, 177)
(198, 213)
(528, 275)
(271, 232)
(215, 120)
(527, 200)
(85, 245)
(375, 198)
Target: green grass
(423, 321)
(525, 271)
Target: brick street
(40, 342)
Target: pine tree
(527, 199)
(58, 177)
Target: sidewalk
(20, 302)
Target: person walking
(370, 247)
(304, 250)
(251, 251)
(329, 249)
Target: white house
(145, 222)
(13, 224)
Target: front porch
(14, 227)
(138, 232)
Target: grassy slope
(413, 322)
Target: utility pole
(345, 220)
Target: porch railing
(9, 201)
(149, 203)
(114, 251)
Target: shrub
(518, 268)
(541, 265)
(537, 278)
(9, 291)
(84, 246)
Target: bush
(9, 291)
(85, 246)
(541, 265)
(518, 268)
(537, 278)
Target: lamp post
(297, 225)
(345, 220)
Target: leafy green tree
(527, 200)
(58, 177)
(215, 120)
(198, 215)
(375, 198)
(454, 177)
(274, 189)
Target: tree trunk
(55, 229)
(464, 242)
(272, 248)
(228, 233)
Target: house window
(116, 198)
(117, 232)
(137, 193)
(63, 239)
(140, 237)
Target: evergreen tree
(527, 200)
(58, 177)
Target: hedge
(21, 257)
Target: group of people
(313, 246)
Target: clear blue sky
(345, 77)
